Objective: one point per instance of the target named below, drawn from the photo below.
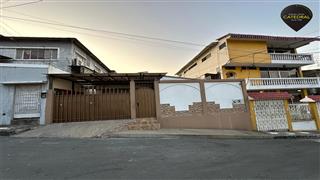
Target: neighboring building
(60, 53)
(268, 63)
(25, 66)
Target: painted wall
(242, 73)
(10, 75)
(241, 51)
(6, 103)
(224, 93)
(92, 63)
(64, 53)
(171, 93)
(61, 84)
(304, 126)
(222, 106)
(212, 65)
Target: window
(36, 53)
(206, 57)
(81, 60)
(249, 67)
(231, 75)
(192, 66)
(97, 69)
(223, 45)
(230, 68)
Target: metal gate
(145, 100)
(300, 112)
(301, 117)
(270, 115)
(27, 101)
(92, 103)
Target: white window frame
(25, 47)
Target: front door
(145, 100)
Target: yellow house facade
(266, 62)
(271, 67)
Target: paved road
(158, 158)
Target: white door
(270, 115)
(27, 101)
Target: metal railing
(291, 58)
(282, 83)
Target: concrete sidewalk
(87, 129)
(209, 133)
(212, 133)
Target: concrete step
(138, 126)
(144, 124)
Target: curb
(212, 136)
(187, 136)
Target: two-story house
(26, 62)
(268, 63)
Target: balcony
(282, 83)
(297, 59)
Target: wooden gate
(145, 100)
(91, 104)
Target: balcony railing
(282, 83)
(281, 58)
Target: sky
(197, 22)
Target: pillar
(133, 99)
(49, 107)
(157, 99)
(289, 119)
(315, 114)
(304, 92)
(252, 115)
(203, 97)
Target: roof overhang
(17, 39)
(274, 41)
(109, 77)
(270, 65)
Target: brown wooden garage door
(91, 104)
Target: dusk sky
(198, 22)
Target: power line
(22, 4)
(106, 31)
(9, 27)
(118, 38)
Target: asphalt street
(158, 158)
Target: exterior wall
(6, 104)
(236, 51)
(12, 75)
(66, 53)
(92, 64)
(241, 51)
(201, 104)
(242, 73)
(63, 61)
(211, 65)
(61, 84)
